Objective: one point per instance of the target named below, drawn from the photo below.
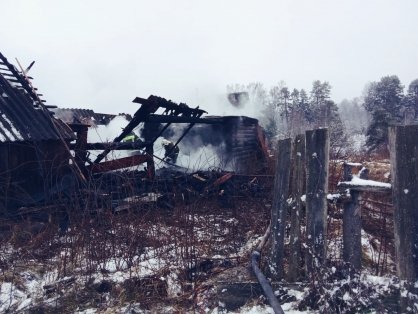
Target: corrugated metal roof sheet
(21, 116)
(84, 116)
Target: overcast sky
(101, 54)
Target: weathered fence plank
(279, 207)
(352, 224)
(403, 147)
(297, 190)
(317, 160)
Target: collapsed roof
(23, 116)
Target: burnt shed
(240, 141)
(33, 156)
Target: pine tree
(320, 94)
(338, 137)
(383, 101)
(411, 103)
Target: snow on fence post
(403, 147)
(317, 160)
(279, 207)
(352, 223)
(297, 190)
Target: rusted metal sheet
(223, 179)
(121, 163)
(85, 116)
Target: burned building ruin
(33, 156)
(44, 150)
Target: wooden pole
(150, 163)
(279, 207)
(297, 190)
(403, 147)
(352, 224)
(317, 159)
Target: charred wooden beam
(170, 106)
(114, 146)
(139, 117)
(180, 119)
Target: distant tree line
(285, 112)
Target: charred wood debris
(46, 165)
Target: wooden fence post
(352, 224)
(297, 190)
(403, 147)
(317, 159)
(279, 207)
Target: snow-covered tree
(319, 103)
(411, 103)
(383, 101)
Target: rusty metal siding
(236, 139)
(244, 144)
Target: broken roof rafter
(148, 109)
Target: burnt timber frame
(173, 113)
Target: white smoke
(107, 133)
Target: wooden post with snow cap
(352, 222)
(297, 190)
(317, 160)
(403, 147)
(279, 207)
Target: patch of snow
(24, 304)
(87, 311)
(356, 181)
(354, 164)
(254, 309)
(346, 296)
(10, 296)
(173, 284)
(332, 197)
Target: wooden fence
(302, 177)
